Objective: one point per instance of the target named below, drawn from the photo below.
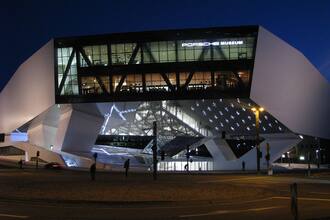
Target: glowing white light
(302, 158)
(214, 43)
(301, 137)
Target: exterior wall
(30, 91)
(78, 128)
(278, 145)
(42, 129)
(42, 135)
(289, 87)
(31, 151)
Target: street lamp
(257, 112)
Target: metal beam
(134, 53)
(120, 84)
(67, 68)
(82, 52)
(200, 58)
(167, 81)
(221, 53)
(89, 63)
(79, 78)
(190, 76)
(147, 49)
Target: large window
(121, 54)
(230, 80)
(133, 83)
(155, 82)
(191, 50)
(200, 80)
(97, 55)
(234, 49)
(216, 49)
(91, 85)
(70, 86)
(159, 52)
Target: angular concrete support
(42, 129)
(78, 128)
(278, 145)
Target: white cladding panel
(30, 91)
(290, 87)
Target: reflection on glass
(121, 54)
(70, 86)
(97, 55)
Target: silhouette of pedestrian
(243, 165)
(126, 166)
(20, 163)
(93, 171)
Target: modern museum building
(218, 93)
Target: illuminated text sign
(214, 43)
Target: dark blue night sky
(28, 24)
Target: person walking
(93, 171)
(20, 163)
(126, 166)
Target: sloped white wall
(79, 126)
(30, 91)
(279, 144)
(290, 87)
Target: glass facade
(70, 86)
(142, 66)
(121, 54)
(91, 85)
(96, 54)
(159, 52)
(180, 166)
